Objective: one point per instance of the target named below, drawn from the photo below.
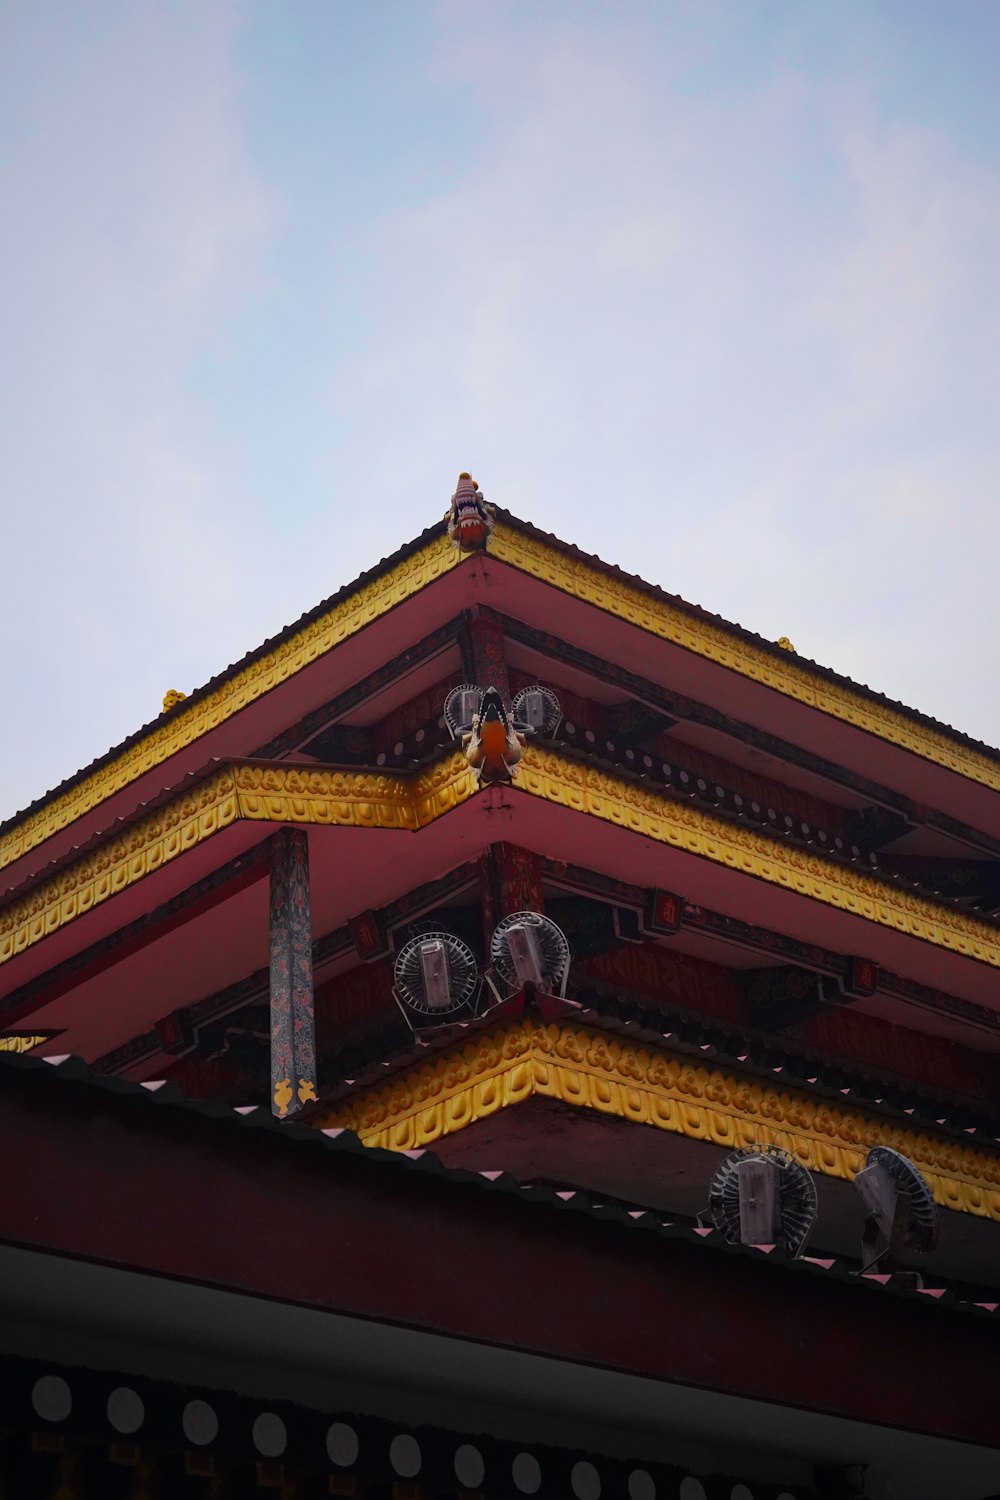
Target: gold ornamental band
(575, 576)
(571, 575)
(315, 796)
(651, 1086)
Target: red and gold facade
(781, 896)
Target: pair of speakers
(763, 1196)
(437, 980)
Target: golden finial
(784, 643)
(171, 699)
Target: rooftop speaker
(900, 1205)
(460, 708)
(763, 1196)
(536, 710)
(435, 978)
(529, 949)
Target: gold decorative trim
(169, 832)
(644, 810)
(23, 1043)
(652, 1086)
(573, 576)
(320, 798)
(277, 793)
(244, 790)
(188, 723)
(316, 796)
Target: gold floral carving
(572, 575)
(248, 791)
(321, 798)
(652, 1086)
(22, 1043)
(188, 723)
(318, 797)
(173, 829)
(313, 795)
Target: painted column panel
(488, 655)
(293, 1027)
(510, 881)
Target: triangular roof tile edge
(436, 533)
(287, 632)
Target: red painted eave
(675, 668)
(488, 581)
(124, 1179)
(697, 611)
(219, 945)
(244, 733)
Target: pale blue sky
(710, 289)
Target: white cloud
(738, 336)
(137, 224)
(910, 297)
(744, 343)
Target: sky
(707, 288)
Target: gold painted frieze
(668, 1091)
(190, 720)
(575, 576)
(315, 796)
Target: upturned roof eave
(552, 544)
(198, 694)
(740, 632)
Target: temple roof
(704, 818)
(789, 675)
(119, 1098)
(467, 1286)
(778, 650)
(136, 890)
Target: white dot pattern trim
(52, 1398)
(269, 1435)
(200, 1424)
(126, 1412)
(526, 1474)
(405, 1456)
(585, 1481)
(342, 1445)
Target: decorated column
(510, 880)
(489, 658)
(293, 1040)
